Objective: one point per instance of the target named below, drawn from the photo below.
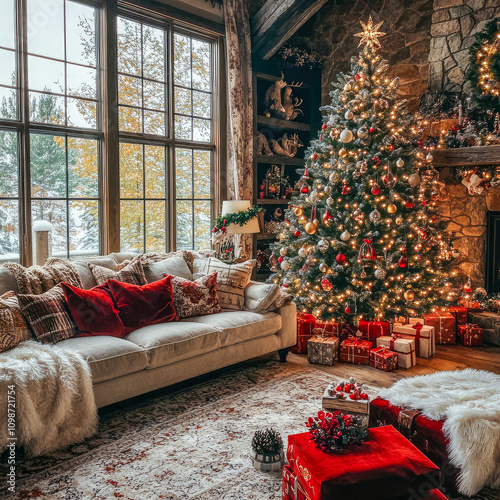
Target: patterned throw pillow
(13, 328)
(231, 281)
(196, 298)
(132, 273)
(48, 316)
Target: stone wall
(467, 216)
(454, 23)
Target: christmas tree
(363, 237)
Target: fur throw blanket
(51, 388)
(469, 401)
(40, 279)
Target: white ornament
(414, 180)
(400, 163)
(285, 265)
(302, 252)
(362, 132)
(346, 136)
(379, 274)
(323, 245)
(348, 115)
(347, 87)
(330, 201)
(283, 251)
(345, 236)
(334, 177)
(429, 158)
(375, 216)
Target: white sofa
(157, 356)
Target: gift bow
(394, 337)
(418, 326)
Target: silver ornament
(400, 163)
(330, 201)
(285, 265)
(380, 274)
(362, 133)
(429, 158)
(346, 136)
(323, 267)
(375, 216)
(302, 252)
(334, 177)
(345, 236)
(323, 245)
(328, 189)
(348, 115)
(358, 215)
(283, 251)
(414, 180)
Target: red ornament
(410, 205)
(306, 174)
(467, 289)
(304, 190)
(371, 130)
(340, 258)
(327, 216)
(424, 203)
(402, 262)
(358, 77)
(364, 395)
(280, 259)
(314, 156)
(375, 190)
(339, 388)
(347, 310)
(297, 233)
(345, 188)
(389, 147)
(351, 396)
(326, 285)
(324, 126)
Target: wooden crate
(359, 407)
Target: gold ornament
(297, 211)
(310, 228)
(346, 136)
(409, 296)
(399, 220)
(370, 34)
(391, 208)
(342, 153)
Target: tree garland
(484, 71)
(239, 218)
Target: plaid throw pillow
(231, 281)
(13, 327)
(48, 316)
(132, 273)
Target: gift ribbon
(418, 327)
(393, 340)
(467, 335)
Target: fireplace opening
(492, 271)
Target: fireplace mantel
(459, 157)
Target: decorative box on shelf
(322, 350)
(355, 351)
(444, 326)
(405, 348)
(471, 335)
(383, 359)
(423, 335)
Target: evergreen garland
(239, 218)
(489, 36)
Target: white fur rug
(50, 391)
(469, 400)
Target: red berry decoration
(347, 388)
(314, 156)
(339, 388)
(352, 396)
(402, 262)
(304, 190)
(410, 205)
(358, 77)
(371, 130)
(324, 126)
(424, 203)
(375, 190)
(347, 310)
(364, 395)
(340, 258)
(297, 233)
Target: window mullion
(172, 219)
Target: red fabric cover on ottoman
(386, 466)
(144, 305)
(426, 434)
(292, 489)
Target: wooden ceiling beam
(277, 20)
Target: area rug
(192, 444)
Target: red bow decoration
(394, 337)
(418, 327)
(366, 250)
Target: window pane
(130, 119)
(201, 65)
(129, 90)
(202, 174)
(81, 33)
(8, 165)
(155, 171)
(55, 212)
(182, 101)
(153, 53)
(8, 65)
(46, 75)
(182, 60)
(155, 226)
(202, 104)
(202, 130)
(183, 173)
(83, 180)
(81, 81)
(129, 47)
(9, 230)
(46, 28)
(7, 24)
(131, 170)
(45, 108)
(202, 224)
(154, 95)
(8, 103)
(84, 227)
(48, 166)
(183, 127)
(184, 212)
(132, 226)
(154, 123)
(81, 114)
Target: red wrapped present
(386, 466)
(355, 351)
(329, 328)
(405, 349)
(471, 335)
(372, 330)
(305, 325)
(383, 359)
(460, 314)
(435, 495)
(426, 434)
(444, 326)
(292, 489)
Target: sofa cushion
(87, 277)
(175, 266)
(260, 296)
(108, 357)
(131, 273)
(13, 327)
(7, 281)
(167, 343)
(196, 298)
(239, 326)
(103, 261)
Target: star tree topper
(370, 34)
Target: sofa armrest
(260, 296)
(288, 332)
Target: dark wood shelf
(266, 201)
(266, 236)
(458, 157)
(286, 160)
(282, 124)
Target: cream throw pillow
(232, 279)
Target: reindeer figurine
(291, 105)
(289, 145)
(273, 102)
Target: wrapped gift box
(405, 348)
(485, 319)
(471, 335)
(460, 314)
(292, 489)
(383, 359)
(371, 330)
(423, 335)
(444, 326)
(323, 350)
(355, 351)
(329, 328)
(305, 325)
(416, 321)
(387, 464)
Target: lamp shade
(232, 207)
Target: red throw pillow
(144, 305)
(94, 311)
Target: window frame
(107, 133)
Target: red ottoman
(426, 434)
(292, 489)
(386, 466)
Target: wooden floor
(447, 357)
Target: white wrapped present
(407, 356)
(425, 342)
